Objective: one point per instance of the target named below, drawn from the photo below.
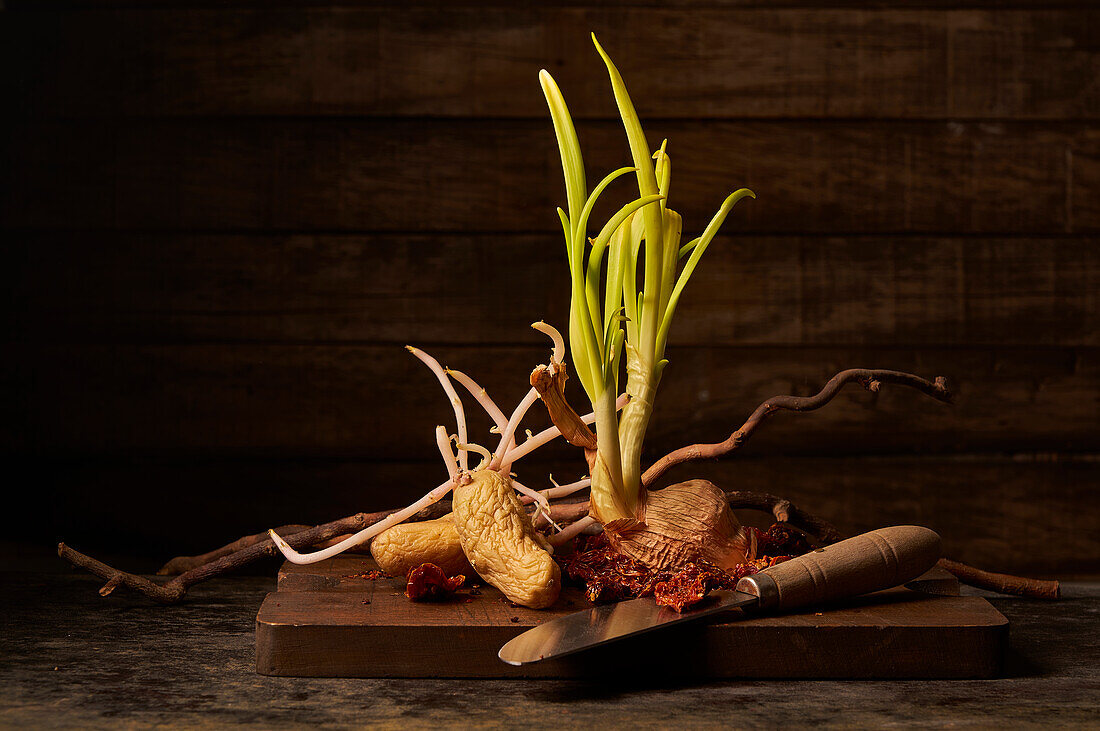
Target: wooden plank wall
(223, 220)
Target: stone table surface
(69, 658)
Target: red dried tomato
(609, 576)
(372, 575)
(779, 540)
(691, 584)
(428, 583)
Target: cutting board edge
(843, 652)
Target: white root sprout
(500, 421)
(559, 491)
(481, 396)
(443, 441)
(557, 357)
(445, 381)
(536, 496)
(571, 531)
(364, 535)
(552, 433)
(506, 453)
(486, 457)
(564, 490)
(513, 423)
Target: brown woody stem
(182, 564)
(785, 511)
(869, 379)
(1002, 583)
(173, 591)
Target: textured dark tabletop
(69, 658)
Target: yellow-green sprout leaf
(647, 185)
(693, 260)
(673, 226)
(631, 300)
(689, 246)
(663, 172)
(639, 150)
(568, 144)
(582, 223)
(599, 244)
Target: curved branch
(173, 591)
(181, 564)
(869, 379)
(1002, 583)
(785, 511)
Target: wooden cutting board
(324, 621)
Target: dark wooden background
(222, 220)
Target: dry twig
(869, 379)
(1002, 583)
(785, 511)
(182, 564)
(173, 591)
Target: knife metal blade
(876, 560)
(608, 623)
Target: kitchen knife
(880, 559)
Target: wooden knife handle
(880, 559)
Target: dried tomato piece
(591, 543)
(742, 570)
(608, 575)
(603, 592)
(781, 540)
(428, 583)
(691, 584)
(372, 575)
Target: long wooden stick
(1002, 583)
(173, 591)
(183, 564)
(869, 379)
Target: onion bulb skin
(684, 523)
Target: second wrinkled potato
(407, 545)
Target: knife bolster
(763, 587)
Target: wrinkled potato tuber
(408, 545)
(500, 543)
